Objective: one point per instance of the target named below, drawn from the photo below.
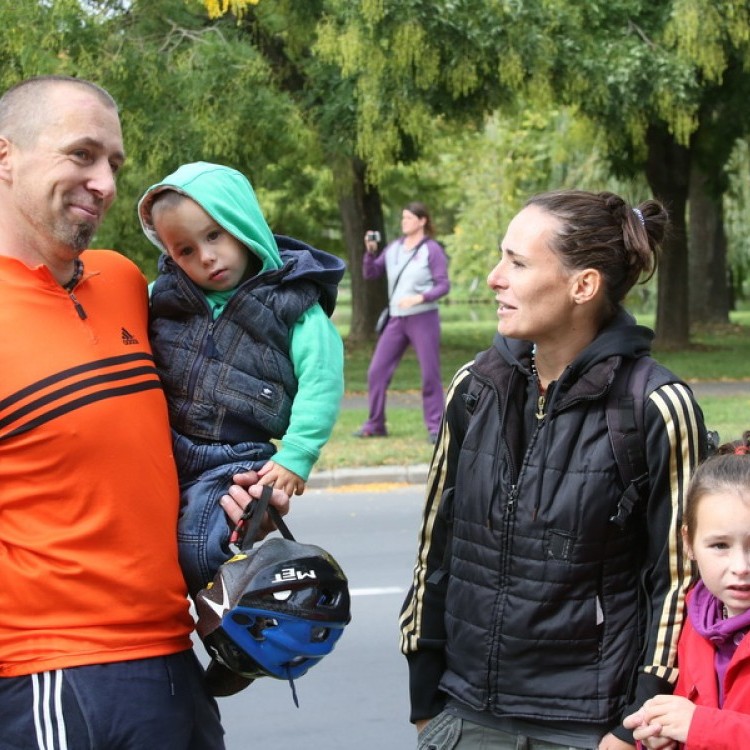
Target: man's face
(63, 183)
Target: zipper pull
(540, 404)
(512, 498)
(209, 347)
(78, 306)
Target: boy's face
(211, 257)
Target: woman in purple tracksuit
(417, 270)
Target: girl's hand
(663, 716)
(648, 723)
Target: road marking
(377, 591)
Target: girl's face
(721, 547)
(211, 257)
(534, 291)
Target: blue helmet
(275, 610)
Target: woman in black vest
(549, 587)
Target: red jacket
(714, 728)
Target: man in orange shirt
(95, 648)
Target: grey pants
(449, 732)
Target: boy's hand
(281, 478)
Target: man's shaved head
(24, 108)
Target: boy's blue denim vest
(228, 380)
(230, 385)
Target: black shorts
(130, 705)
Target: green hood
(228, 197)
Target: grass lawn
(716, 354)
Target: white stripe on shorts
(47, 698)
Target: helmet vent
(255, 625)
(319, 635)
(327, 598)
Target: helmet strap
(245, 533)
(292, 686)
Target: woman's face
(534, 291)
(411, 223)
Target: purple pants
(422, 331)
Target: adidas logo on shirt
(127, 338)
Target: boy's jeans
(205, 475)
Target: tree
(666, 80)
(661, 79)
(377, 76)
(163, 60)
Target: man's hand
(246, 489)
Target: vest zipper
(510, 507)
(206, 346)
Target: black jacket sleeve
(675, 443)
(421, 623)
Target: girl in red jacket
(710, 708)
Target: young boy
(244, 346)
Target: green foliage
(484, 177)
(284, 90)
(189, 89)
(737, 218)
(412, 62)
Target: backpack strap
(471, 397)
(439, 576)
(627, 433)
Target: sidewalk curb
(415, 474)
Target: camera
(372, 236)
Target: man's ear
(6, 150)
(586, 285)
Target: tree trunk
(361, 209)
(668, 171)
(709, 288)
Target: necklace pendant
(540, 403)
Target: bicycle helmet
(274, 611)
